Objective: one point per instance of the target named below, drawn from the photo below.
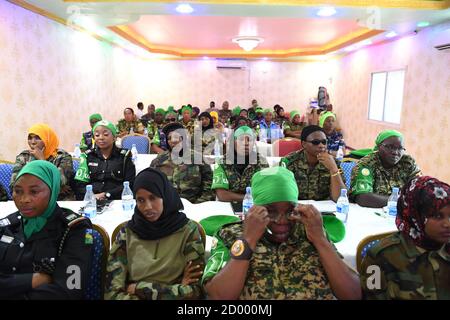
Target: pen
(379, 214)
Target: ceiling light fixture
(423, 24)
(391, 34)
(326, 12)
(184, 8)
(248, 43)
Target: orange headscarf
(48, 136)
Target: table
(361, 221)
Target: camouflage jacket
(369, 175)
(192, 181)
(156, 266)
(313, 184)
(289, 126)
(291, 270)
(124, 127)
(226, 176)
(3, 194)
(407, 272)
(153, 128)
(190, 126)
(63, 161)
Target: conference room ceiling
(288, 28)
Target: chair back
(365, 244)
(116, 231)
(6, 170)
(202, 232)
(142, 143)
(99, 258)
(75, 164)
(283, 147)
(347, 167)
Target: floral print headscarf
(420, 199)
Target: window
(386, 96)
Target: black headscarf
(211, 120)
(171, 218)
(308, 130)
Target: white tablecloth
(361, 223)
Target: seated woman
(413, 263)
(43, 143)
(186, 120)
(231, 178)
(239, 122)
(377, 173)
(280, 251)
(334, 138)
(155, 134)
(269, 131)
(294, 127)
(129, 124)
(105, 167)
(159, 254)
(316, 171)
(243, 113)
(44, 249)
(87, 141)
(191, 180)
(280, 117)
(207, 123)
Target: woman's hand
(192, 274)
(39, 279)
(38, 153)
(131, 289)
(312, 220)
(100, 196)
(328, 161)
(255, 224)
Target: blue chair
(6, 170)
(347, 167)
(75, 164)
(142, 143)
(366, 244)
(99, 258)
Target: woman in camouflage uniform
(413, 263)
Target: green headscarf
(294, 113)
(96, 116)
(274, 184)
(260, 110)
(170, 108)
(106, 124)
(171, 113)
(267, 111)
(186, 108)
(161, 111)
(243, 130)
(236, 111)
(385, 134)
(324, 117)
(49, 174)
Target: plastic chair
(283, 147)
(6, 170)
(142, 143)
(365, 244)
(99, 258)
(347, 167)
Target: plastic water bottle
(134, 153)
(247, 203)
(131, 130)
(127, 198)
(145, 131)
(340, 154)
(77, 151)
(392, 202)
(90, 203)
(342, 206)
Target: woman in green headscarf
(41, 242)
(335, 139)
(280, 251)
(293, 128)
(87, 140)
(388, 166)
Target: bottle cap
(395, 189)
(248, 190)
(126, 183)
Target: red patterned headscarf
(420, 199)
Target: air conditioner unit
(442, 40)
(231, 64)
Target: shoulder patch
(384, 243)
(89, 237)
(365, 172)
(72, 218)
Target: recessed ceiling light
(350, 48)
(205, 58)
(365, 43)
(184, 8)
(391, 34)
(265, 58)
(423, 24)
(326, 12)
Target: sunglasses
(316, 142)
(391, 148)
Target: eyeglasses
(391, 148)
(275, 216)
(316, 142)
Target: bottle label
(90, 212)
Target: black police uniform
(108, 175)
(61, 249)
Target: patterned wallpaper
(50, 73)
(426, 100)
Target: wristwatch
(240, 250)
(108, 195)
